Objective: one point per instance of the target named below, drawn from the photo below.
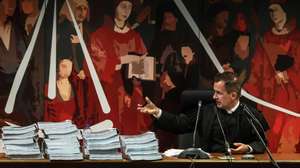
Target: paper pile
(102, 144)
(140, 147)
(21, 142)
(61, 140)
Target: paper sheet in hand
(145, 69)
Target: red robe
(106, 47)
(284, 131)
(134, 122)
(57, 110)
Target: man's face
(65, 68)
(123, 11)
(9, 7)
(277, 14)
(169, 18)
(240, 22)
(222, 19)
(81, 13)
(223, 99)
(187, 54)
(28, 6)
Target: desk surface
(262, 160)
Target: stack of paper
(61, 140)
(140, 147)
(21, 142)
(102, 145)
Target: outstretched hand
(149, 107)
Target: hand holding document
(142, 67)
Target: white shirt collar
(230, 111)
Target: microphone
(250, 114)
(227, 146)
(195, 153)
(252, 118)
(196, 124)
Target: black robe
(207, 125)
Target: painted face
(240, 22)
(187, 54)
(65, 68)
(81, 13)
(277, 14)
(9, 7)
(223, 99)
(28, 6)
(169, 18)
(123, 11)
(221, 19)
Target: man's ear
(234, 95)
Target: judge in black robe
(233, 117)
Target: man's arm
(182, 123)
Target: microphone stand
(227, 153)
(195, 153)
(250, 119)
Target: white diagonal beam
(98, 87)
(24, 63)
(52, 71)
(217, 64)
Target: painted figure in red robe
(274, 77)
(68, 103)
(107, 47)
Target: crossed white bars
(52, 74)
(98, 87)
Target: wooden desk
(261, 161)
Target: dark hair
(215, 9)
(117, 2)
(232, 84)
